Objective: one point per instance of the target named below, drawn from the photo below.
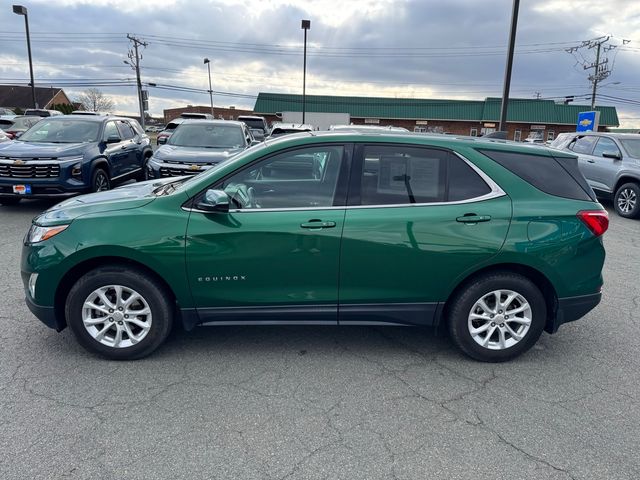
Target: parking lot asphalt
(323, 402)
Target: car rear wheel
(119, 313)
(627, 200)
(8, 201)
(497, 317)
(100, 180)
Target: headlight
(40, 234)
(73, 158)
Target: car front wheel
(497, 317)
(119, 313)
(627, 200)
(100, 180)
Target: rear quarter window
(556, 176)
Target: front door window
(302, 178)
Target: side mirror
(614, 155)
(214, 201)
(113, 139)
(161, 140)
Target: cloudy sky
(396, 48)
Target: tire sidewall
(462, 304)
(161, 311)
(99, 171)
(636, 211)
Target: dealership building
(525, 117)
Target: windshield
(253, 122)
(24, 123)
(62, 131)
(207, 136)
(632, 146)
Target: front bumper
(573, 308)
(45, 314)
(46, 178)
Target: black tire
(144, 173)
(626, 200)
(153, 293)
(8, 201)
(459, 311)
(100, 180)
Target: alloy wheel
(499, 319)
(101, 183)
(116, 316)
(627, 200)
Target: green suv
(492, 240)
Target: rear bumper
(573, 308)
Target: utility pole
(600, 66)
(537, 95)
(597, 66)
(135, 57)
(507, 74)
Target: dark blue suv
(71, 154)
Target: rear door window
(126, 132)
(605, 145)
(400, 174)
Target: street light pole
(306, 25)
(507, 74)
(21, 10)
(208, 62)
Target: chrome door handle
(473, 218)
(591, 161)
(317, 224)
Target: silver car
(611, 164)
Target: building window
(550, 135)
(517, 136)
(474, 132)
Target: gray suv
(611, 164)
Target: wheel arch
(101, 162)
(625, 178)
(536, 276)
(85, 266)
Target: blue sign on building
(588, 121)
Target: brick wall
(225, 113)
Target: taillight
(596, 220)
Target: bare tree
(94, 100)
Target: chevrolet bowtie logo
(194, 167)
(586, 122)
(18, 162)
